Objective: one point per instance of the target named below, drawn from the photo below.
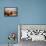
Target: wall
(33, 12)
(29, 12)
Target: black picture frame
(13, 13)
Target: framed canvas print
(10, 11)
